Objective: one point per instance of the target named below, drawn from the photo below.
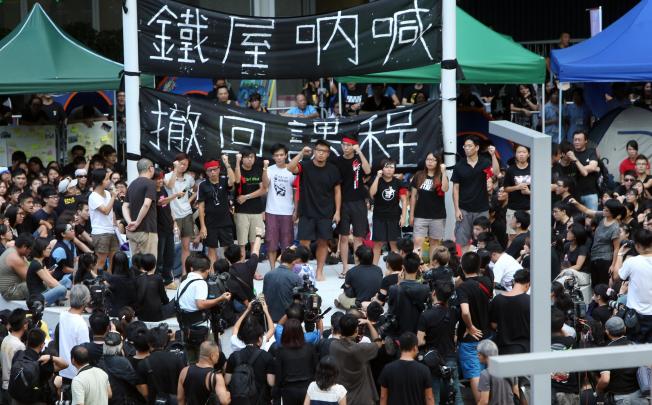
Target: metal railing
(543, 47)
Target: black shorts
(315, 229)
(354, 213)
(219, 236)
(384, 230)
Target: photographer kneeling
(296, 311)
(193, 305)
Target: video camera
(99, 292)
(578, 312)
(307, 296)
(35, 306)
(628, 315)
(218, 285)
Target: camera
(386, 325)
(628, 315)
(578, 312)
(35, 306)
(307, 296)
(99, 292)
(438, 369)
(217, 284)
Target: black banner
(204, 129)
(178, 39)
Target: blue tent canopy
(620, 53)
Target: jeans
(590, 201)
(438, 384)
(630, 399)
(644, 334)
(55, 294)
(165, 256)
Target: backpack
(243, 379)
(24, 379)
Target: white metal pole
(132, 83)
(543, 107)
(448, 96)
(560, 114)
(339, 96)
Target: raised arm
(293, 166)
(374, 186)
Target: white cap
(67, 183)
(80, 172)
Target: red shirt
(627, 164)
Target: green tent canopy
(38, 57)
(484, 55)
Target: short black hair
(405, 245)
(233, 253)
(98, 176)
(374, 311)
(335, 321)
(470, 263)
(482, 222)
(18, 156)
(472, 138)
(364, 254)
(80, 354)
(323, 143)
(643, 237)
(17, 319)
(522, 276)
(407, 341)
(157, 338)
(394, 261)
(24, 240)
(411, 263)
(288, 255)
(99, 323)
(278, 146)
(221, 265)
(348, 325)
(523, 218)
(35, 338)
(302, 253)
(250, 331)
(199, 262)
(247, 151)
(295, 311)
(148, 262)
(557, 319)
(494, 247)
(443, 290)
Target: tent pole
(448, 96)
(543, 107)
(559, 113)
(339, 96)
(132, 83)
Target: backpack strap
(183, 290)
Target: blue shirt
(308, 110)
(59, 254)
(550, 111)
(310, 337)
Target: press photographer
(407, 299)
(296, 311)
(638, 271)
(193, 305)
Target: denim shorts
(469, 362)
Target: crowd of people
(419, 330)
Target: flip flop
(341, 275)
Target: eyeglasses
(80, 176)
(628, 179)
(55, 196)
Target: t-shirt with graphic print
(280, 199)
(513, 177)
(351, 171)
(248, 183)
(387, 199)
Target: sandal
(341, 275)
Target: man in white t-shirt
(504, 266)
(100, 204)
(280, 210)
(91, 384)
(178, 181)
(73, 330)
(638, 271)
(11, 344)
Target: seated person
(363, 281)
(13, 269)
(248, 316)
(39, 278)
(393, 268)
(151, 297)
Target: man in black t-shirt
(320, 198)
(160, 370)
(354, 96)
(622, 383)
(565, 386)
(215, 217)
(406, 381)
(241, 282)
(139, 210)
(520, 224)
(390, 207)
(473, 295)
(407, 299)
(249, 205)
(470, 189)
(363, 280)
(509, 314)
(353, 167)
(586, 161)
(436, 330)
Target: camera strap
(178, 297)
(241, 281)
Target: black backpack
(243, 379)
(24, 379)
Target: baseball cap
(4, 169)
(81, 172)
(615, 325)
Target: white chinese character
(405, 27)
(253, 39)
(305, 34)
(324, 129)
(161, 47)
(401, 128)
(159, 128)
(243, 132)
(370, 139)
(296, 134)
(177, 128)
(190, 35)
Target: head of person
(301, 100)
(641, 164)
(99, 323)
(577, 234)
(222, 94)
(64, 231)
(79, 356)
(365, 255)
(80, 296)
(580, 140)
(17, 321)
(440, 256)
(348, 141)
(81, 175)
(521, 154)
(394, 261)
(615, 327)
(349, 325)
(15, 215)
(248, 158)
(481, 224)
(255, 101)
(109, 154)
(522, 277)
(145, 168)
(321, 151)
(560, 211)
(614, 209)
(251, 332)
(42, 248)
(232, 253)
(411, 263)
(200, 264)
(292, 337)
(405, 245)
(26, 202)
(49, 195)
(601, 294)
(209, 351)
(100, 178)
(486, 348)
(643, 239)
(23, 244)
(19, 178)
(632, 149)
(279, 153)
(557, 319)
(495, 249)
(471, 145)
(112, 344)
(408, 344)
(520, 221)
(470, 263)
(554, 96)
(157, 338)
(36, 339)
(443, 291)
(182, 162)
(289, 256)
(565, 185)
(388, 166)
(212, 169)
(326, 373)
(295, 311)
